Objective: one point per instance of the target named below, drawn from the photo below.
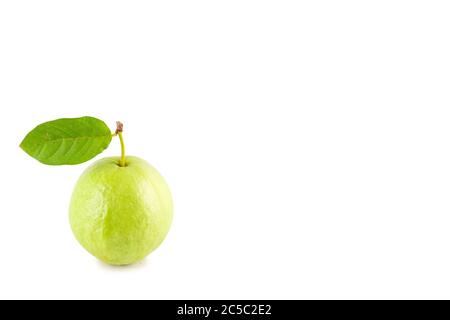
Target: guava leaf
(67, 141)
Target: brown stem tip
(119, 127)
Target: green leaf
(67, 141)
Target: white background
(307, 145)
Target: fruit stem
(119, 132)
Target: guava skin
(121, 214)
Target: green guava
(121, 214)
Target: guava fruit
(121, 209)
(119, 212)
